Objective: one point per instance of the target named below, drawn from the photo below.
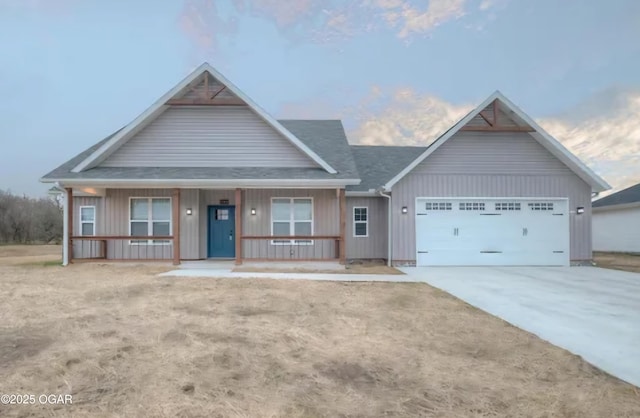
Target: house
(206, 173)
(616, 221)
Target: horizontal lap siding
(208, 136)
(490, 165)
(325, 219)
(492, 153)
(617, 230)
(375, 245)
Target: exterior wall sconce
(405, 210)
(189, 212)
(580, 210)
(253, 211)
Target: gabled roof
(122, 136)
(539, 134)
(379, 164)
(627, 196)
(325, 137)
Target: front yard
(618, 261)
(126, 343)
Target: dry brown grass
(618, 261)
(127, 343)
(26, 254)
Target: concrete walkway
(224, 270)
(226, 273)
(589, 311)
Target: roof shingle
(628, 195)
(378, 164)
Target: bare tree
(29, 220)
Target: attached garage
(492, 231)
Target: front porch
(188, 224)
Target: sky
(395, 71)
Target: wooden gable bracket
(206, 102)
(494, 123)
(207, 98)
(486, 119)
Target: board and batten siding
(116, 222)
(490, 165)
(190, 224)
(326, 217)
(208, 136)
(112, 219)
(374, 246)
(617, 230)
(87, 248)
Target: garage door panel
(492, 232)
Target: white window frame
(150, 220)
(366, 208)
(292, 221)
(81, 222)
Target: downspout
(65, 226)
(389, 229)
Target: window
(437, 206)
(292, 217)
(87, 220)
(471, 206)
(150, 216)
(360, 222)
(507, 206)
(222, 214)
(541, 206)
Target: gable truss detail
(493, 122)
(207, 97)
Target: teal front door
(221, 232)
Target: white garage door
(492, 232)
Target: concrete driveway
(589, 311)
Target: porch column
(175, 221)
(69, 203)
(343, 225)
(238, 226)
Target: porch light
(580, 210)
(405, 210)
(189, 212)
(253, 211)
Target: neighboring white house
(616, 221)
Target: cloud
(404, 118)
(413, 20)
(202, 23)
(605, 132)
(327, 21)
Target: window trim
(366, 222)
(292, 221)
(81, 222)
(150, 220)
